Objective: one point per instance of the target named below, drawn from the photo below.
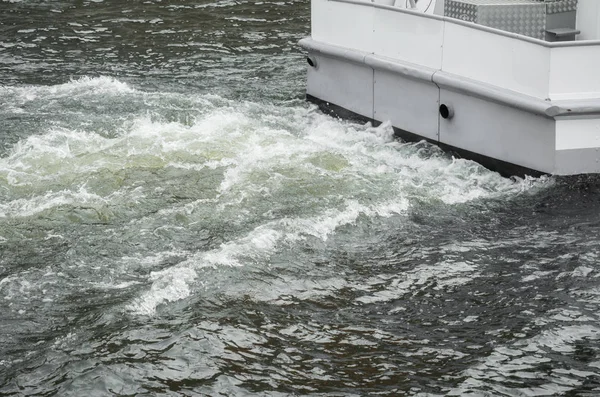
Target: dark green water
(176, 220)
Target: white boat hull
(507, 130)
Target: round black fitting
(312, 61)
(446, 111)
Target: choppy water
(176, 220)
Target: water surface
(176, 220)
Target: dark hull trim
(502, 167)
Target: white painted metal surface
(498, 132)
(409, 104)
(516, 99)
(577, 133)
(517, 65)
(343, 24)
(377, 30)
(575, 73)
(338, 82)
(410, 38)
(588, 19)
(524, 66)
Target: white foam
(227, 137)
(175, 283)
(260, 160)
(109, 286)
(62, 152)
(168, 286)
(6, 280)
(322, 226)
(256, 247)
(97, 85)
(82, 86)
(265, 152)
(37, 204)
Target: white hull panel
(508, 131)
(499, 131)
(411, 105)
